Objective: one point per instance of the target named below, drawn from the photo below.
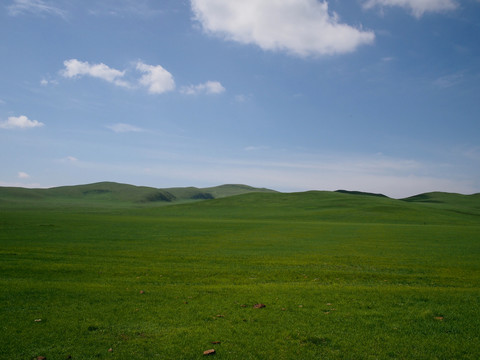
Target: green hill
(103, 192)
(193, 193)
(111, 193)
(446, 199)
(457, 203)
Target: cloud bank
(417, 7)
(20, 122)
(300, 27)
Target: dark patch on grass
(160, 196)
(96, 192)
(425, 198)
(360, 193)
(203, 196)
(317, 340)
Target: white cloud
(417, 7)
(156, 78)
(75, 68)
(300, 27)
(23, 175)
(45, 82)
(36, 7)
(20, 122)
(209, 87)
(123, 128)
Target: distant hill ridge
(245, 202)
(105, 192)
(112, 191)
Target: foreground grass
(166, 283)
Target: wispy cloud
(240, 98)
(71, 159)
(372, 173)
(35, 7)
(20, 122)
(156, 79)
(209, 87)
(449, 80)
(124, 128)
(124, 8)
(67, 160)
(21, 184)
(75, 68)
(23, 175)
(301, 27)
(417, 7)
(284, 171)
(256, 148)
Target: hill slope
(325, 206)
(462, 204)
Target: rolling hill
(246, 202)
(328, 206)
(115, 193)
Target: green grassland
(85, 270)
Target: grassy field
(343, 276)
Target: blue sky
(370, 95)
